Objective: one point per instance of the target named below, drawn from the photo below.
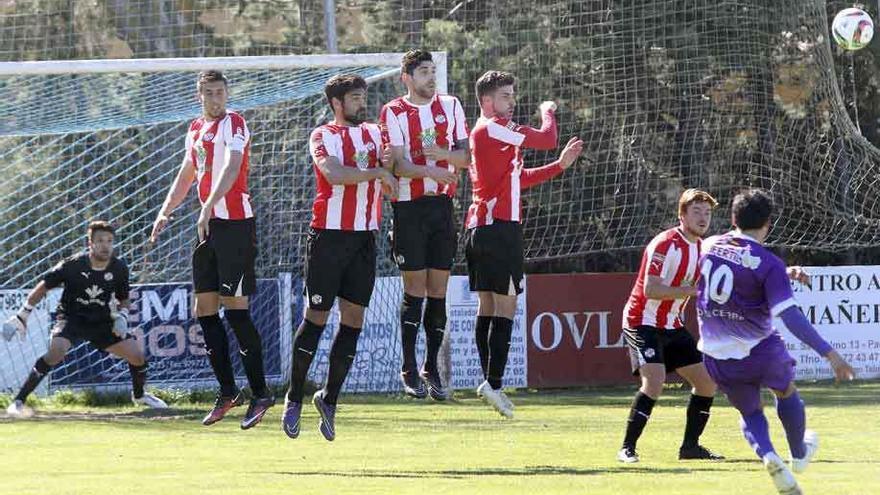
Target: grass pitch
(561, 442)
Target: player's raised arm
(545, 137)
(534, 176)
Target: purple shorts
(768, 365)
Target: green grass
(561, 442)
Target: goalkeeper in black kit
(94, 307)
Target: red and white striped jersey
(440, 122)
(352, 206)
(208, 144)
(496, 170)
(673, 258)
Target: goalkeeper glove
(17, 323)
(120, 322)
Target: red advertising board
(574, 329)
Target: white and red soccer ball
(852, 29)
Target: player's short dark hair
(100, 226)
(207, 76)
(341, 84)
(413, 59)
(751, 209)
(492, 80)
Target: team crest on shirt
(440, 119)
(108, 276)
(208, 137)
(428, 137)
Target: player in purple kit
(742, 288)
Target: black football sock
(251, 349)
(697, 417)
(410, 321)
(138, 379)
(342, 354)
(499, 347)
(38, 372)
(435, 327)
(305, 343)
(217, 347)
(639, 413)
(481, 337)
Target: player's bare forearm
(406, 168)
(37, 294)
(227, 178)
(338, 175)
(179, 188)
(656, 289)
(460, 157)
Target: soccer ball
(852, 29)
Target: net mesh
(667, 94)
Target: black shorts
(423, 234)
(339, 263)
(224, 263)
(100, 335)
(495, 258)
(674, 348)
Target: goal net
(104, 139)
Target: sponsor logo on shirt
(657, 261)
(201, 158)
(362, 159)
(93, 292)
(108, 276)
(428, 137)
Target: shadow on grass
(496, 471)
(170, 414)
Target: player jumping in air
(216, 156)
(494, 239)
(348, 160)
(428, 136)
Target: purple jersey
(742, 287)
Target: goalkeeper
(94, 307)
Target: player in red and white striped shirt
(654, 326)
(348, 158)
(494, 242)
(428, 136)
(216, 156)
